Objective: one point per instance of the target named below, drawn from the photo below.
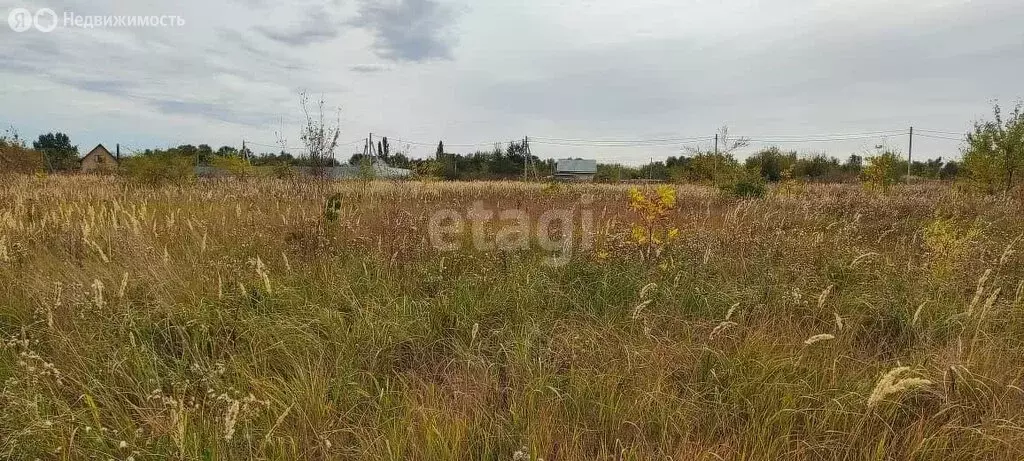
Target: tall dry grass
(229, 320)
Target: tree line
(771, 164)
(992, 160)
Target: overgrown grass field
(237, 320)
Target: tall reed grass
(231, 320)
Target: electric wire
(669, 141)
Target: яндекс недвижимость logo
(21, 19)
(46, 20)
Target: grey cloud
(810, 72)
(43, 55)
(409, 30)
(252, 3)
(23, 53)
(242, 42)
(316, 27)
(15, 64)
(109, 87)
(821, 71)
(367, 68)
(208, 110)
(966, 49)
(637, 83)
(146, 66)
(182, 107)
(233, 41)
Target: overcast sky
(789, 72)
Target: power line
(958, 133)
(607, 145)
(948, 138)
(803, 140)
(669, 141)
(278, 146)
(673, 141)
(429, 144)
(677, 140)
(836, 135)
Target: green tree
(715, 163)
(399, 160)
(817, 167)
(770, 163)
(654, 170)
(929, 169)
(707, 166)
(57, 151)
(228, 151)
(357, 159)
(612, 173)
(884, 170)
(854, 164)
(205, 153)
(950, 170)
(994, 155)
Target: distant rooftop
(576, 166)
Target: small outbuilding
(576, 170)
(99, 160)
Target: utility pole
(371, 144)
(715, 169)
(910, 153)
(526, 160)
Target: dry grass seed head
(721, 328)
(819, 338)
(824, 296)
(1009, 251)
(917, 313)
(890, 384)
(979, 292)
(646, 290)
(732, 310)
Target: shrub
(746, 188)
(159, 168)
(652, 229)
(333, 208)
(15, 157)
(283, 170)
(884, 170)
(366, 171)
(995, 151)
(234, 165)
